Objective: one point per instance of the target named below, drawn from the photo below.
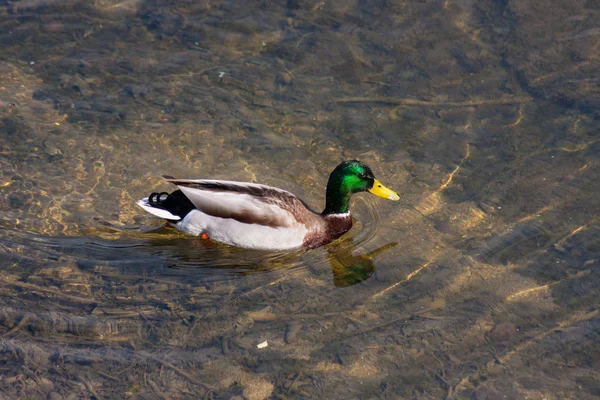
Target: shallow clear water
(482, 282)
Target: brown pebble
(504, 331)
(487, 208)
(244, 342)
(225, 346)
(304, 130)
(53, 27)
(46, 384)
(54, 396)
(284, 79)
(292, 330)
(261, 316)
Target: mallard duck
(254, 216)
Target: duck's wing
(249, 203)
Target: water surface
(482, 282)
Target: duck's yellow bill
(379, 190)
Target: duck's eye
(362, 175)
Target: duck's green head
(352, 177)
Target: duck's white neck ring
(338, 215)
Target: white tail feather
(159, 212)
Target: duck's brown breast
(332, 227)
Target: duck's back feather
(248, 203)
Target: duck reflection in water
(349, 269)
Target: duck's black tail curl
(157, 199)
(176, 203)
